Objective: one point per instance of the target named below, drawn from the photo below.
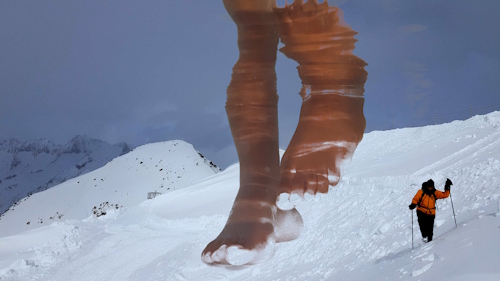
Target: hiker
(425, 201)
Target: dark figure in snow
(425, 202)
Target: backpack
(430, 195)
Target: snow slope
(360, 230)
(36, 165)
(126, 181)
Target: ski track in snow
(360, 230)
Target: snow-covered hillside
(36, 165)
(123, 182)
(360, 230)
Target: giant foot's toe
(238, 255)
(311, 180)
(252, 242)
(241, 243)
(303, 178)
(288, 202)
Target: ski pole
(411, 229)
(453, 210)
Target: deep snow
(360, 230)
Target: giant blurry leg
(331, 120)
(254, 222)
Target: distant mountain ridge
(78, 144)
(31, 166)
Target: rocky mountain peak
(38, 146)
(78, 144)
(125, 148)
(10, 145)
(81, 144)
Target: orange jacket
(428, 203)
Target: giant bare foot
(255, 223)
(331, 121)
(251, 240)
(326, 137)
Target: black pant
(426, 223)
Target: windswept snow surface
(360, 230)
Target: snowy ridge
(38, 146)
(360, 230)
(36, 165)
(123, 182)
(79, 144)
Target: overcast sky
(148, 71)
